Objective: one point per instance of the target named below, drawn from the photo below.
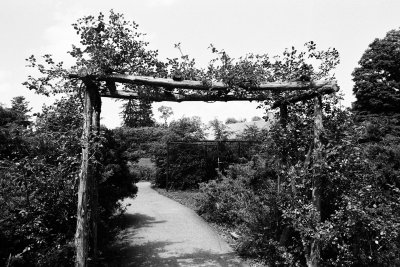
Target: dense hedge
(39, 167)
(192, 162)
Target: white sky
(258, 26)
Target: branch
(180, 98)
(200, 85)
(305, 96)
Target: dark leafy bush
(360, 213)
(38, 177)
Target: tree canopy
(115, 45)
(377, 79)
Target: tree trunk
(81, 235)
(313, 258)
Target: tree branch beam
(181, 98)
(305, 96)
(200, 85)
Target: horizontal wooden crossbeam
(201, 142)
(200, 85)
(181, 98)
(305, 96)
(263, 90)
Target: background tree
(219, 129)
(20, 105)
(137, 113)
(231, 121)
(166, 112)
(377, 79)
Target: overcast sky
(257, 26)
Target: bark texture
(314, 250)
(81, 235)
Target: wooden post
(166, 177)
(81, 235)
(218, 162)
(96, 100)
(283, 120)
(314, 250)
(283, 115)
(87, 215)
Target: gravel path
(162, 232)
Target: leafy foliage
(38, 177)
(185, 171)
(359, 206)
(377, 79)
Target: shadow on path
(147, 254)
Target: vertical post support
(167, 175)
(96, 99)
(81, 235)
(87, 214)
(315, 250)
(218, 162)
(283, 111)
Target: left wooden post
(96, 100)
(87, 192)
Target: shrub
(360, 213)
(38, 178)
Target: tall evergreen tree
(377, 79)
(137, 113)
(21, 106)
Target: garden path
(162, 232)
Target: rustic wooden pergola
(87, 213)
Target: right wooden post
(283, 112)
(314, 256)
(167, 175)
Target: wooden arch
(87, 214)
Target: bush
(38, 177)
(360, 213)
